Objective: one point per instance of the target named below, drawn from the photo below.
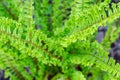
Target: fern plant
(55, 39)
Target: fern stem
(82, 4)
(29, 42)
(9, 11)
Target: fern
(47, 39)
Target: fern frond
(82, 32)
(9, 9)
(25, 44)
(8, 60)
(98, 58)
(81, 5)
(26, 13)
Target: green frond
(82, 30)
(26, 11)
(25, 44)
(97, 58)
(8, 62)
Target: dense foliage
(56, 39)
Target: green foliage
(64, 39)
